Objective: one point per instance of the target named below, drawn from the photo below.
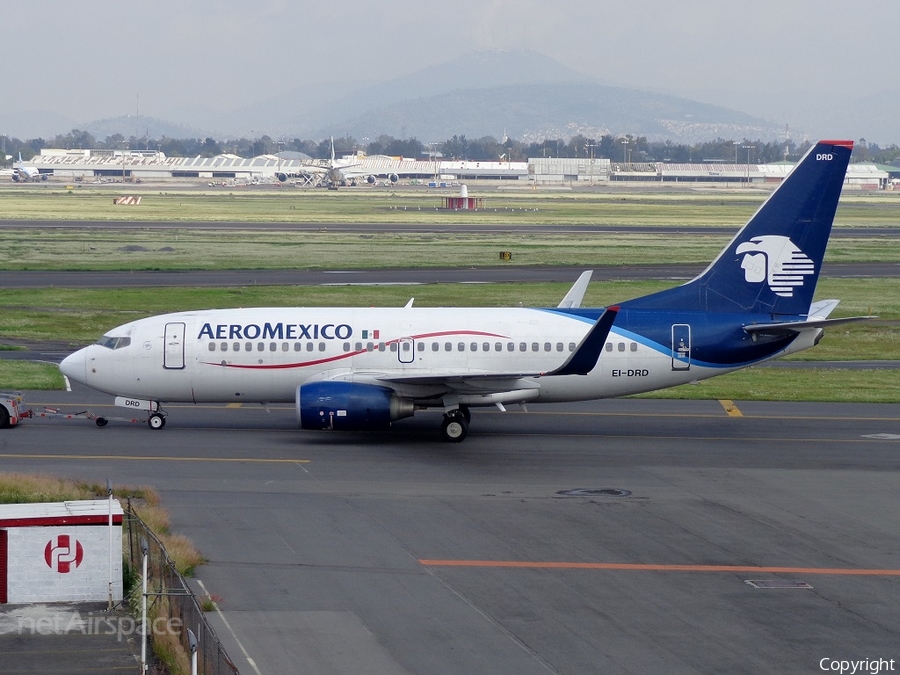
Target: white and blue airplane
(26, 174)
(363, 368)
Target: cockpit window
(114, 342)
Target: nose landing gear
(157, 420)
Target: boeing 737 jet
(364, 368)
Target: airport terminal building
(140, 165)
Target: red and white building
(60, 552)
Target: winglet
(585, 356)
(576, 293)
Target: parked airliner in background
(363, 368)
(26, 174)
(342, 172)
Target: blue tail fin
(773, 264)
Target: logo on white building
(777, 261)
(60, 554)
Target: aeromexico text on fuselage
(282, 331)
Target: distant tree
(888, 155)
(172, 147)
(115, 141)
(308, 147)
(411, 147)
(485, 149)
(211, 148)
(860, 151)
(75, 139)
(377, 147)
(456, 148)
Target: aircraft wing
(464, 381)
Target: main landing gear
(455, 426)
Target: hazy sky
(94, 58)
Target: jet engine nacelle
(282, 177)
(349, 406)
(393, 177)
(371, 180)
(15, 178)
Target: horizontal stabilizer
(797, 326)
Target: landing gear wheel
(101, 421)
(4, 417)
(454, 428)
(156, 421)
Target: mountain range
(522, 94)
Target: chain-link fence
(172, 606)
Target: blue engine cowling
(349, 406)
(393, 177)
(282, 177)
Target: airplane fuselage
(264, 354)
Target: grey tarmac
(534, 547)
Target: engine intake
(349, 406)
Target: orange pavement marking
(637, 567)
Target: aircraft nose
(74, 365)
